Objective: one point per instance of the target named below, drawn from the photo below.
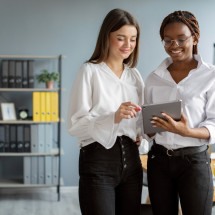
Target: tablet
(172, 108)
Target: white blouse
(96, 95)
(197, 92)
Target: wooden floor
(41, 203)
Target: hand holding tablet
(151, 110)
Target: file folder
(48, 138)
(34, 170)
(2, 138)
(20, 138)
(34, 138)
(48, 106)
(41, 137)
(11, 77)
(5, 71)
(48, 170)
(24, 74)
(36, 106)
(18, 76)
(54, 107)
(31, 74)
(13, 142)
(41, 169)
(55, 168)
(27, 170)
(42, 106)
(7, 138)
(27, 141)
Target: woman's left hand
(169, 124)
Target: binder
(7, 138)
(42, 106)
(55, 169)
(4, 76)
(34, 138)
(48, 170)
(31, 74)
(11, 77)
(36, 106)
(48, 106)
(48, 138)
(2, 138)
(41, 170)
(13, 143)
(24, 74)
(27, 141)
(41, 137)
(54, 106)
(18, 76)
(27, 170)
(34, 170)
(20, 138)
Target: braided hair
(188, 19)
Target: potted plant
(48, 78)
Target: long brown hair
(113, 21)
(188, 19)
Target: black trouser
(110, 179)
(187, 178)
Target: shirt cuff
(212, 133)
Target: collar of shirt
(162, 68)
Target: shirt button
(125, 166)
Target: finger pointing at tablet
(126, 110)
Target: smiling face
(122, 42)
(182, 35)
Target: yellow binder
(54, 107)
(36, 106)
(43, 106)
(48, 106)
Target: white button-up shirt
(197, 92)
(96, 95)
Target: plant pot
(50, 85)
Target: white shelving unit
(39, 62)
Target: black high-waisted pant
(187, 178)
(110, 179)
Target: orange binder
(36, 106)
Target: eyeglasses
(179, 42)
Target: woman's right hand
(126, 110)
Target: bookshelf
(30, 149)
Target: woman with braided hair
(178, 162)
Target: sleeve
(81, 122)
(209, 122)
(140, 130)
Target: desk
(213, 171)
(143, 159)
